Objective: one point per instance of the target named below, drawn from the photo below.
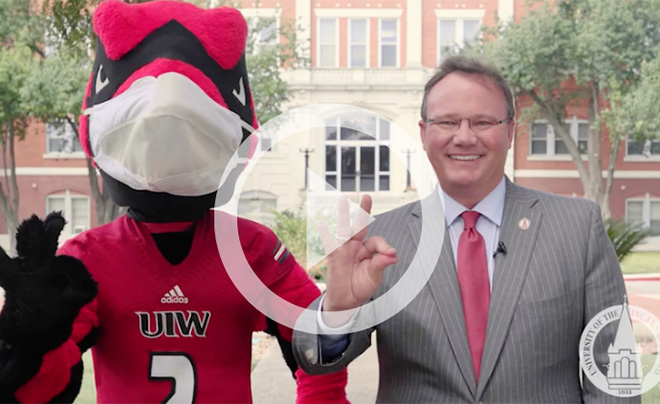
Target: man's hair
(469, 65)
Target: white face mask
(165, 135)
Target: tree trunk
(615, 143)
(9, 195)
(592, 175)
(594, 145)
(106, 209)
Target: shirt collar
(492, 206)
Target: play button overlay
(427, 226)
(321, 203)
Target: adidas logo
(175, 295)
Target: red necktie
(475, 287)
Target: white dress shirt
(491, 209)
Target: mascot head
(167, 104)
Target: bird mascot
(167, 105)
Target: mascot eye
(101, 80)
(240, 94)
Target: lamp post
(408, 152)
(307, 152)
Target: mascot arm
(290, 281)
(48, 319)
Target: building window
(355, 161)
(75, 208)
(455, 33)
(545, 142)
(264, 32)
(645, 212)
(357, 43)
(642, 147)
(388, 42)
(60, 138)
(327, 51)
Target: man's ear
(511, 130)
(422, 132)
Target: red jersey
(179, 332)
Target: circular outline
(598, 379)
(257, 293)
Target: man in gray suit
(520, 274)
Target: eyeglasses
(451, 125)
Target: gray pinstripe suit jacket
(557, 275)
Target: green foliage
(21, 23)
(589, 41)
(291, 228)
(639, 115)
(264, 63)
(15, 64)
(56, 86)
(624, 236)
(590, 53)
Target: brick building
(376, 55)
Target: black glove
(44, 293)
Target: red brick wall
(343, 27)
(430, 24)
(33, 189)
(622, 189)
(30, 151)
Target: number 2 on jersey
(179, 369)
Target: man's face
(469, 162)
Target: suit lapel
(443, 285)
(510, 272)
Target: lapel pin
(524, 223)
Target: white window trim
(50, 154)
(550, 141)
(78, 155)
(258, 42)
(459, 31)
(358, 144)
(318, 43)
(68, 210)
(637, 158)
(646, 208)
(358, 12)
(261, 13)
(468, 14)
(368, 40)
(398, 43)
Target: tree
(574, 52)
(54, 94)
(15, 62)
(639, 115)
(20, 27)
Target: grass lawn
(652, 396)
(641, 262)
(87, 391)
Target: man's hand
(44, 292)
(355, 269)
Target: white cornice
(476, 14)
(358, 12)
(58, 171)
(618, 174)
